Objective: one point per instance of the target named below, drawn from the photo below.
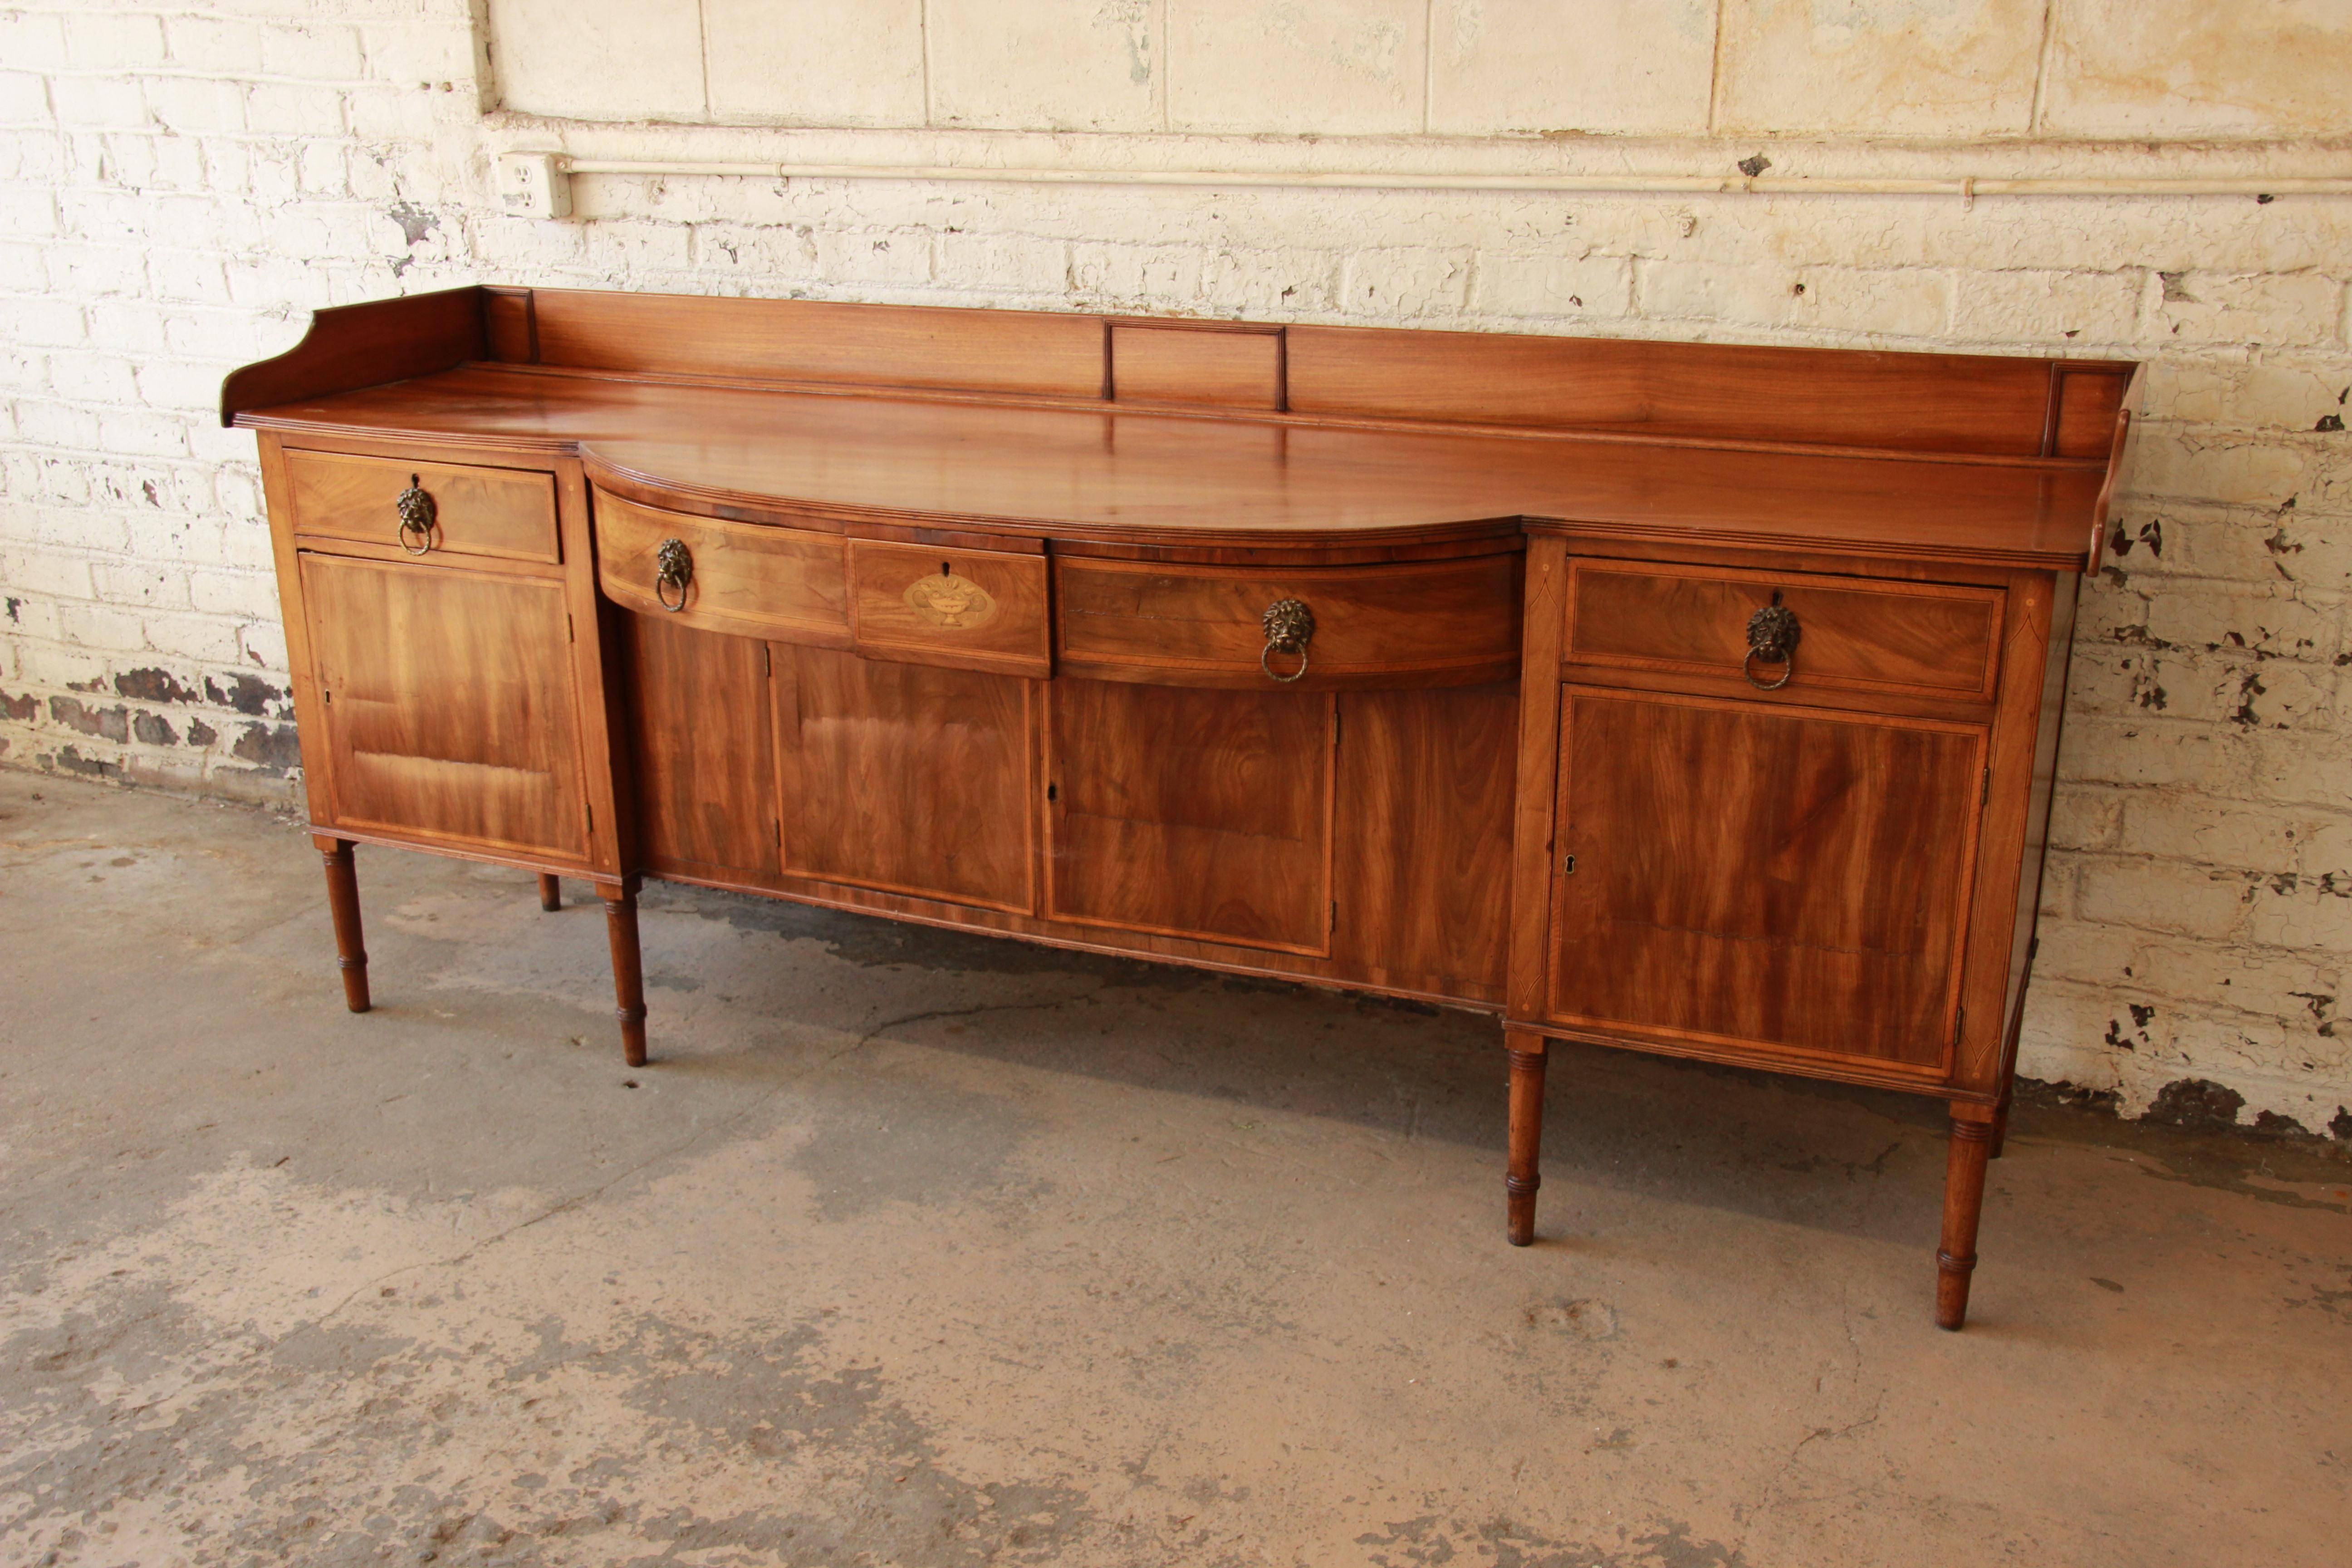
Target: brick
(23, 98)
(159, 435)
(2271, 620)
(294, 109)
(2047, 308)
(2161, 896)
(1402, 284)
(317, 52)
(1543, 286)
(1708, 291)
(215, 45)
(2293, 310)
(114, 41)
(98, 102)
(196, 105)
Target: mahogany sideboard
(1691, 699)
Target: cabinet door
(1193, 812)
(448, 703)
(1785, 880)
(905, 777)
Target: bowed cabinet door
(1738, 880)
(448, 708)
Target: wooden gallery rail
(1278, 649)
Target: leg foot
(343, 903)
(551, 891)
(628, 968)
(1963, 1180)
(1527, 1053)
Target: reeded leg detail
(1527, 1053)
(343, 903)
(551, 891)
(1963, 1180)
(628, 967)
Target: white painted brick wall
(181, 182)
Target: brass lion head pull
(1289, 626)
(673, 569)
(1772, 634)
(416, 516)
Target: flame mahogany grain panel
(446, 701)
(905, 777)
(701, 738)
(1421, 873)
(1730, 877)
(1191, 813)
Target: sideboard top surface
(1047, 464)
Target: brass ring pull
(1772, 634)
(673, 568)
(1289, 626)
(416, 516)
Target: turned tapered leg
(628, 968)
(1527, 1054)
(551, 891)
(343, 902)
(1963, 1180)
(2000, 1122)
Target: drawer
(747, 578)
(1421, 623)
(502, 513)
(1928, 639)
(966, 609)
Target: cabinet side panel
(1422, 865)
(705, 761)
(310, 719)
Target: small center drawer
(424, 508)
(1930, 638)
(966, 609)
(1409, 623)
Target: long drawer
(425, 508)
(1421, 623)
(1930, 639)
(750, 579)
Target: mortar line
(2042, 68)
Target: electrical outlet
(531, 184)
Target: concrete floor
(931, 1249)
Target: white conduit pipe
(1704, 185)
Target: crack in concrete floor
(915, 1248)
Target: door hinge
(1984, 795)
(589, 811)
(1960, 1023)
(1335, 914)
(571, 633)
(779, 833)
